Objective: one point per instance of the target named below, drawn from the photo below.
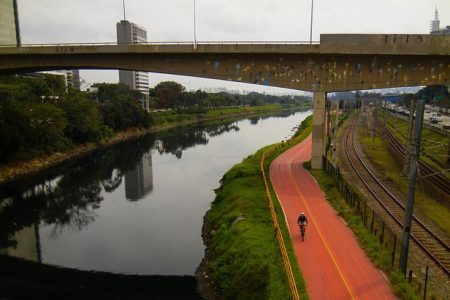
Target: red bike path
(332, 263)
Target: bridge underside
(308, 72)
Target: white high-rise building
(73, 79)
(130, 33)
(434, 25)
(9, 23)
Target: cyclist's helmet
(302, 213)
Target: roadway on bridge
(332, 263)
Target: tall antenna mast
(124, 17)
(435, 23)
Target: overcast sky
(73, 21)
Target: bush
(121, 113)
(46, 126)
(85, 123)
(12, 129)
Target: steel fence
(426, 280)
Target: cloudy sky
(76, 21)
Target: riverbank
(242, 257)
(164, 120)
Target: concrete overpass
(338, 63)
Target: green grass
(244, 259)
(378, 254)
(378, 153)
(180, 117)
(245, 110)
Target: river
(134, 208)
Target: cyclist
(302, 221)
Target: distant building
(71, 78)
(393, 98)
(442, 31)
(9, 23)
(130, 33)
(435, 25)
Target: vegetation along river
(134, 208)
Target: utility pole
(373, 134)
(362, 105)
(195, 30)
(310, 32)
(123, 3)
(448, 152)
(327, 117)
(408, 139)
(415, 146)
(335, 134)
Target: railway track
(433, 246)
(425, 170)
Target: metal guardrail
(180, 43)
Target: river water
(135, 208)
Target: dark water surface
(136, 208)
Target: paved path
(332, 263)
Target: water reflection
(139, 181)
(68, 199)
(71, 199)
(175, 140)
(26, 244)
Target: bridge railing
(157, 43)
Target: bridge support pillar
(318, 129)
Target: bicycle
(302, 230)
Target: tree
(55, 85)
(433, 92)
(85, 123)
(168, 92)
(406, 99)
(46, 124)
(12, 131)
(32, 88)
(111, 91)
(121, 113)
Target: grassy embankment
(378, 152)
(379, 255)
(162, 120)
(243, 256)
(169, 118)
